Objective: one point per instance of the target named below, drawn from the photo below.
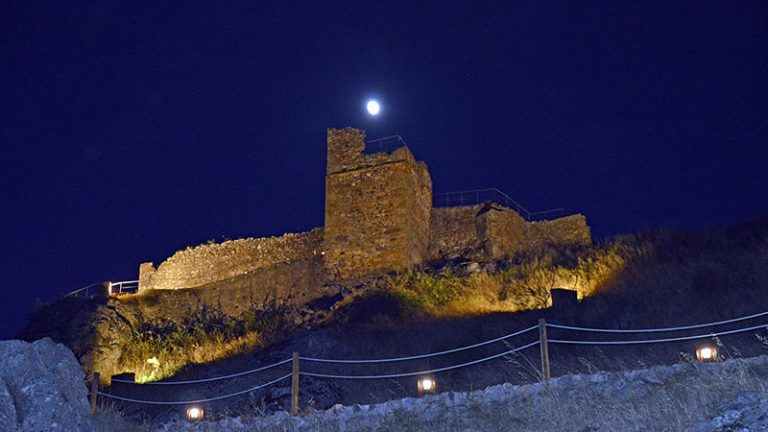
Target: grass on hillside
(158, 349)
(645, 280)
(689, 270)
(658, 278)
(108, 418)
(639, 401)
(672, 406)
(522, 282)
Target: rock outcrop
(41, 388)
(746, 412)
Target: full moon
(373, 107)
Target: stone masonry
(490, 231)
(377, 208)
(201, 265)
(378, 219)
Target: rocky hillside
(651, 279)
(695, 397)
(41, 389)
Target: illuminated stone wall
(295, 282)
(572, 229)
(378, 219)
(377, 208)
(508, 233)
(456, 231)
(207, 263)
(492, 232)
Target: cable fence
(651, 341)
(658, 330)
(543, 341)
(207, 380)
(423, 372)
(420, 356)
(309, 373)
(210, 399)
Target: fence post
(295, 386)
(544, 349)
(94, 391)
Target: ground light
(427, 385)
(706, 352)
(195, 413)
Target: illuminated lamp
(195, 413)
(427, 385)
(706, 352)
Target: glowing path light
(426, 385)
(373, 107)
(706, 353)
(195, 413)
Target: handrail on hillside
(123, 287)
(86, 291)
(112, 288)
(478, 196)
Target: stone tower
(377, 208)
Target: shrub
(158, 349)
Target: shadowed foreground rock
(41, 388)
(746, 412)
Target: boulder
(747, 412)
(42, 388)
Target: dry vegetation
(651, 279)
(158, 349)
(110, 419)
(647, 279)
(697, 270)
(670, 398)
(674, 405)
(517, 284)
(521, 283)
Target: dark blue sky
(128, 131)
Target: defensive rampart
(378, 219)
(456, 231)
(492, 232)
(207, 263)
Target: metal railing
(87, 291)
(385, 145)
(479, 196)
(110, 288)
(123, 287)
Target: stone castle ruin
(379, 219)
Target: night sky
(128, 131)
